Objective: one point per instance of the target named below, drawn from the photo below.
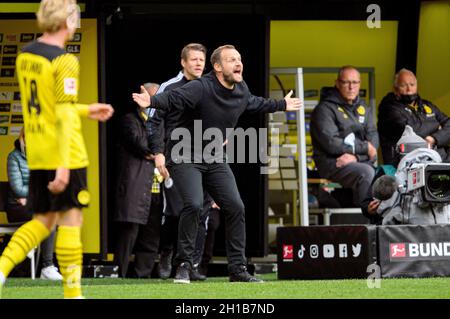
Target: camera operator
(419, 194)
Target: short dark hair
(345, 68)
(215, 56)
(192, 47)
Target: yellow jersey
(48, 79)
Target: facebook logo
(343, 251)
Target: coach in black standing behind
(138, 225)
(218, 99)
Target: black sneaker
(240, 274)
(165, 265)
(195, 275)
(203, 269)
(182, 275)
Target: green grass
(220, 288)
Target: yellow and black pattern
(67, 70)
(157, 180)
(48, 79)
(27, 237)
(69, 252)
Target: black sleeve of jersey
(186, 96)
(132, 141)
(156, 131)
(442, 136)
(259, 104)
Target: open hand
(142, 99)
(292, 103)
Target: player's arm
(96, 111)
(66, 93)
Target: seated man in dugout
(344, 135)
(405, 107)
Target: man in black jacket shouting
(344, 136)
(216, 100)
(405, 107)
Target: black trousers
(169, 229)
(169, 234)
(169, 226)
(358, 177)
(218, 180)
(212, 224)
(143, 240)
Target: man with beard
(218, 99)
(405, 107)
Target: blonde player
(56, 153)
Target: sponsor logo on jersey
(70, 86)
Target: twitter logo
(356, 249)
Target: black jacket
(216, 106)
(331, 121)
(162, 121)
(425, 119)
(135, 173)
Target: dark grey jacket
(331, 121)
(135, 173)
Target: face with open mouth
(232, 66)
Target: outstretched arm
(263, 105)
(183, 97)
(100, 112)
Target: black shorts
(41, 200)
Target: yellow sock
(70, 259)
(28, 236)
